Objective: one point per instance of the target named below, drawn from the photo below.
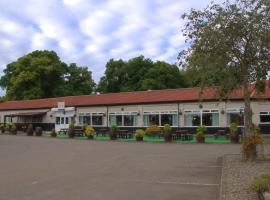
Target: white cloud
(90, 32)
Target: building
(181, 108)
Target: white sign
(61, 105)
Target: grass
(221, 140)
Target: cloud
(90, 32)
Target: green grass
(221, 140)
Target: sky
(90, 32)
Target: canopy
(26, 114)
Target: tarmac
(43, 168)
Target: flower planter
(234, 138)
(113, 136)
(200, 139)
(139, 139)
(71, 133)
(90, 137)
(168, 136)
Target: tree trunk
(250, 151)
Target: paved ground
(34, 168)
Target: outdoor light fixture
(180, 112)
(222, 111)
(122, 109)
(200, 106)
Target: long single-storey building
(182, 108)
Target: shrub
(53, 133)
(71, 131)
(8, 127)
(139, 133)
(2, 128)
(201, 130)
(167, 128)
(114, 128)
(233, 127)
(250, 143)
(30, 130)
(261, 184)
(152, 130)
(38, 131)
(84, 127)
(89, 131)
(13, 129)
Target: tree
(162, 76)
(41, 74)
(230, 48)
(79, 80)
(140, 73)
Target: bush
(167, 128)
(13, 129)
(114, 128)
(201, 130)
(139, 133)
(38, 131)
(71, 131)
(152, 130)
(90, 132)
(8, 127)
(53, 133)
(233, 127)
(261, 184)
(30, 130)
(2, 128)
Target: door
(62, 122)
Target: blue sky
(90, 32)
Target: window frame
(264, 113)
(159, 113)
(200, 112)
(91, 114)
(235, 111)
(122, 114)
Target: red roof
(154, 96)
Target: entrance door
(62, 122)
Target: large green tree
(140, 73)
(42, 74)
(230, 48)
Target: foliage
(30, 130)
(167, 128)
(250, 142)
(233, 127)
(38, 131)
(261, 183)
(13, 129)
(139, 133)
(90, 131)
(114, 128)
(229, 48)
(8, 126)
(41, 74)
(140, 73)
(53, 133)
(200, 131)
(2, 127)
(71, 126)
(152, 129)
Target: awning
(26, 114)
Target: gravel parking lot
(43, 168)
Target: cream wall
(47, 118)
(257, 107)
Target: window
(235, 116)
(66, 120)
(57, 120)
(123, 119)
(264, 117)
(201, 117)
(192, 118)
(160, 118)
(210, 117)
(62, 120)
(93, 119)
(97, 120)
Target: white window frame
(93, 114)
(200, 112)
(159, 113)
(262, 113)
(133, 113)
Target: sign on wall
(61, 105)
